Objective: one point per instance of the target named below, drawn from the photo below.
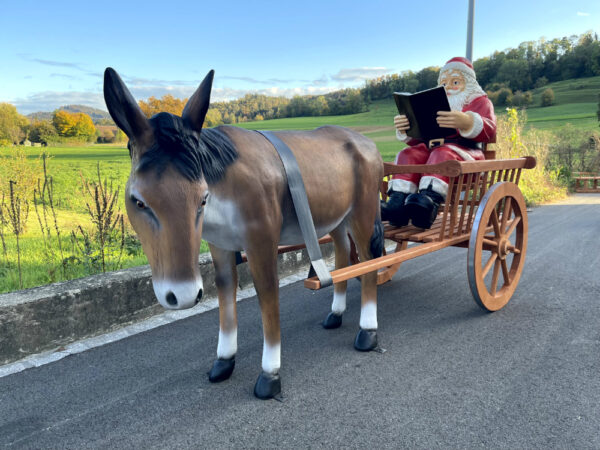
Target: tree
(77, 125)
(84, 127)
(42, 131)
(64, 122)
(547, 97)
(213, 118)
(167, 103)
(12, 125)
(598, 112)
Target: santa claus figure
(417, 197)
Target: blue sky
(54, 53)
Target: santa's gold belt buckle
(436, 143)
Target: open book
(421, 110)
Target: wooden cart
(484, 212)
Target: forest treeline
(508, 77)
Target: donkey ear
(197, 106)
(122, 107)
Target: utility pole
(470, 30)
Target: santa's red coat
(483, 130)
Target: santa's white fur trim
(399, 185)
(402, 136)
(437, 185)
(476, 128)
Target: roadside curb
(49, 317)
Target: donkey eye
(140, 204)
(204, 200)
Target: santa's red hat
(460, 64)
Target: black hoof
(332, 320)
(221, 370)
(267, 386)
(366, 340)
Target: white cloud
(360, 74)
(582, 14)
(51, 100)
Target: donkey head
(167, 189)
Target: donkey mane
(194, 155)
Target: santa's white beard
(471, 92)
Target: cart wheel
(497, 246)
(384, 274)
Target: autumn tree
(167, 103)
(12, 125)
(77, 125)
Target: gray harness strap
(300, 200)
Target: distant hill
(96, 114)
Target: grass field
(576, 103)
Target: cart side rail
(468, 183)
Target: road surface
(452, 376)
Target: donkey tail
(377, 239)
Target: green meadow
(576, 102)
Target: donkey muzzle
(178, 294)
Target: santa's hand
(401, 123)
(455, 119)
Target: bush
(541, 82)
(547, 97)
(521, 99)
(539, 185)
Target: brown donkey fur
(228, 186)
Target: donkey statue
(228, 186)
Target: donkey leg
(341, 243)
(263, 267)
(226, 281)
(366, 339)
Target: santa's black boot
(423, 207)
(394, 210)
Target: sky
(53, 53)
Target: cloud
(64, 75)
(359, 74)
(51, 100)
(226, 93)
(48, 62)
(582, 14)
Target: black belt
(300, 200)
(432, 143)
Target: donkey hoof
(366, 340)
(332, 320)
(221, 370)
(267, 386)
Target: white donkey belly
(292, 235)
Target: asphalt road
(452, 376)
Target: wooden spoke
(495, 277)
(505, 213)
(505, 273)
(495, 222)
(512, 226)
(490, 242)
(488, 265)
(503, 235)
